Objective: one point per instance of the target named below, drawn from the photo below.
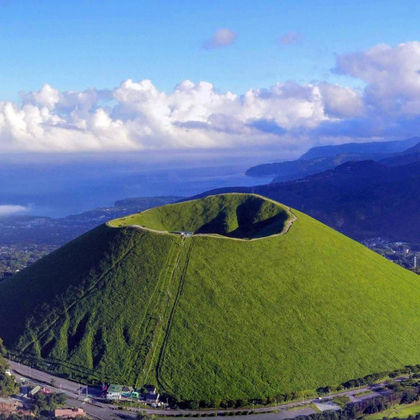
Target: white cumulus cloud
(223, 37)
(136, 115)
(392, 75)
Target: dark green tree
(2, 348)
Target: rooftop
(115, 388)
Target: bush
(409, 396)
(48, 402)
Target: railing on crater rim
(183, 234)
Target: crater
(241, 216)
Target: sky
(230, 76)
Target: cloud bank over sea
(136, 115)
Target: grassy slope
(401, 411)
(91, 302)
(212, 317)
(288, 313)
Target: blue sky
(81, 43)
(238, 75)
(177, 83)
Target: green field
(211, 317)
(401, 411)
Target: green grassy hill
(216, 315)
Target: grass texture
(210, 317)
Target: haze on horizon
(190, 84)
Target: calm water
(60, 190)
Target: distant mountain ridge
(361, 148)
(410, 155)
(322, 158)
(360, 199)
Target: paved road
(76, 394)
(281, 415)
(66, 386)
